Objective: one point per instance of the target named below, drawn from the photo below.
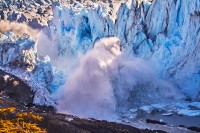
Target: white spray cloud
(18, 29)
(47, 47)
(88, 92)
(106, 78)
(135, 82)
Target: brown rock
(14, 88)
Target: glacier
(19, 57)
(166, 33)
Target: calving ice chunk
(88, 91)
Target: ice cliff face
(165, 32)
(81, 25)
(176, 39)
(19, 57)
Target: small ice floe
(195, 104)
(150, 108)
(159, 106)
(133, 110)
(167, 114)
(129, 115)
(146, 108)
(188, 112)
(161, 120)
(179, 107)
(132, 117)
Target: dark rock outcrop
(14, 88)
(22, 19)
(60, 123)
(35, 23)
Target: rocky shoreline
(20, 96)
(55, 122)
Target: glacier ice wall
(166, 33)
(75, 29)
(19, 57)
(176, 42)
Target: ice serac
(165, 32)
(175, 32)
(19, 57)
(75, 29)
(169, 36)
(130, 27)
